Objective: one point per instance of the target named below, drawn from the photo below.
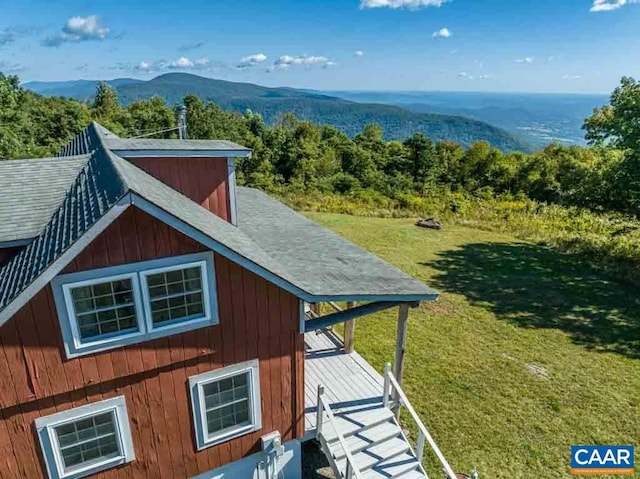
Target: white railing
(351, 472)
(400, 399)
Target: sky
(426, 45)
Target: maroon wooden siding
(257, 320)
(203, 179)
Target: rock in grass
(430, 223)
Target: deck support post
(401, 345)
(349, 330)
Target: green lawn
(507, 309)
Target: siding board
(202, 179)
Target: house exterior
(153, 314)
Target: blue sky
(467, 45)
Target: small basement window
(115, 306)
(226, 403)
(85, 440)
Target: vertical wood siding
(257, 320)
(203, 179)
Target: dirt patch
(314, 463)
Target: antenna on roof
(182, 122)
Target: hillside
(271, 103)
(539, 117)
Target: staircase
(377, 446)
(366, 442)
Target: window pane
(105, 308)
(88, 440)
(227, 403)
(176, 295)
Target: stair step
(375, 455)
(354, 422)
(370, 437)
(396, 467)
(412, 474)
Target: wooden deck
(350, 382)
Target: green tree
(106, 106)
(617, 124)
(146, 116)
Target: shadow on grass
(535, 287)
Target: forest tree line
(300, 157)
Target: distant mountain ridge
(271, 103)
(540, 117)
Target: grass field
(525, 353)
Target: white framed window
(103, 310)
(115, 306)
(85, 440)
(176, 294)
(226, 403)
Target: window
(86, 440)
(226, 403)
(105, 309)
(175, 295)
(111, 307)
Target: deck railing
(394, 395)
(351, 472)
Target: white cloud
(7, 67)
(7, 36)
(144, 66)
(525, 60)
(442, 33)
(286, 61)
(410, 4)
(608, 5)
(468, 76)
(453, 52)
(252, 60)
(358, 53)
(182, 63)
(79, 29)
(571, 77)
(329, 65)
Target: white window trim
(206, 318)
(196, 384)
(73, 321)
(63, 284)
(45, 427)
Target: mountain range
(539, 117)
(349, 116)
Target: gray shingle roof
(271, 240)
(31, 191)
(126, 144)
(94, 191)
(321, 261)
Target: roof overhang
(15, 243)
(182, 153)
